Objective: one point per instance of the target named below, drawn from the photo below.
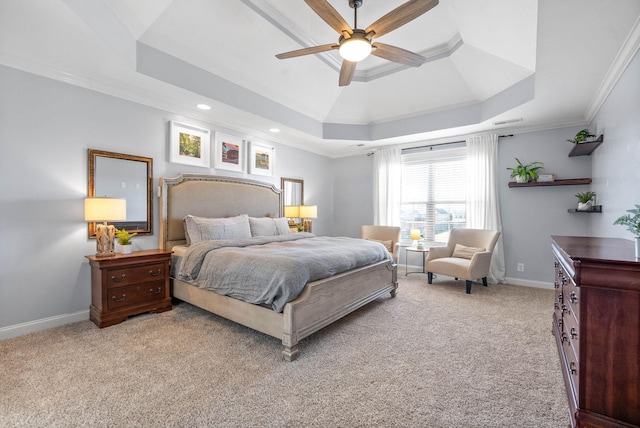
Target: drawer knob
(116, 279)
(572, 368)
(565, 309)
(155, 291)
(574, 333)
(156, 273)
(124, 296)
(573, 297)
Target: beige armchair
(467, 256)
(389, 236)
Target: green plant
(584, 197)
(300, 227)
(581, 137)
(631, 221)
(526, 172)
(124, 237)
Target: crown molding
(617, 68)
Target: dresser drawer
(572, 333)
(134, 275)
(572, 298)
(570, 356)
(135, 295)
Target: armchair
(467, 256)
(389, 236)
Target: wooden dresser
(596, 323)
(125, 285)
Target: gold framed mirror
(130, 177)
(292, 193)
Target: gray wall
(353, 194)
(46, 128)
(616, 163)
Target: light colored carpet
(431, 357)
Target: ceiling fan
(355, 44)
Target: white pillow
(198, 229)
(268, 226)
(464, 252)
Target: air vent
(504, 122)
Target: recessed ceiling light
(274, 130)
(204, 107)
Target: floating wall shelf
(585, 149)
(567, 182)
(594, 209)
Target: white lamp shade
(415, 234)
(292, 211)
(308, 211)
(105, 209)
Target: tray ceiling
(532, 64)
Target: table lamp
(307, 212)
(291, 212)
(102, 209)
(415, 235)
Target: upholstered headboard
(211, 196)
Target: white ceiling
(544, 63)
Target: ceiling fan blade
(329, 15)
(346, 72)
(396, 54)
(401, 15)
(307, 51)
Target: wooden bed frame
(320, 303)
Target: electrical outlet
(520, 267)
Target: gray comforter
(273, 270)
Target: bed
(320, 303)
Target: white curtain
(387, 177)
(483, 206)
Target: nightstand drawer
(134, 275)
(135, 295)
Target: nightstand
(125, 285)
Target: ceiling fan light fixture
(355, 49)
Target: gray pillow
(268, 226)
(198, 229)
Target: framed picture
(262, 158)
(189, 145)
(229, 153)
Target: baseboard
(42, 324)
(513, 281)
(528, 283)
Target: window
(433, 192)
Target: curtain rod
(443, 144)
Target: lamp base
(307, 224)
(105, 235)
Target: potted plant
(124, 239)
(632, 221)
(524, 173)
(585, 200)
(581, 137)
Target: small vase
(125, 249)
(637, 241)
